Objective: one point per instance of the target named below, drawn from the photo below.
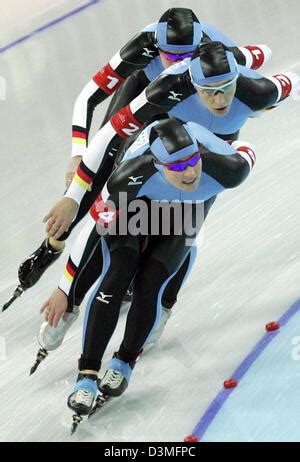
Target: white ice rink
(248, 269)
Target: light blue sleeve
(150, 28)
(178, 68)
(212, 142)
(246, 72)
(215, 34)
(154, 69)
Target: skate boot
(51, 338)
(36, 264)
(165, 316)
(82, 398)
(116, 377)
(32, 268)
(84, 393)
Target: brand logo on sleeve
(134, 180)
(148, 53)
(174, 96)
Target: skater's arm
(229, 163)
(105, 82)
(157, 98)
(131, 88)
(230, 170)
(251, 56)
(264, 93)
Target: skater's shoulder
(132, 173)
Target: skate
(41, 355)
(50, 338)
(17, 293)
(165, 316)
(32, 269)
(116, 377)
(101, 400)
(82, 398)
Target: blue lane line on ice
(48, 25)
(220, 399)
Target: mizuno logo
(134, 181)
(102, 298)
(148, 53)
(174, 96)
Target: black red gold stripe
(70, 270)
(83, 176)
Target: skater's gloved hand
(55, 307)
(72, 167)
(60, 217)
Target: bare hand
(72, 167)
(60, 217)
(55, 307)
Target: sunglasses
(211, 91)
(183, 164)
(175, 57)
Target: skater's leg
(63, 298)
(171, 292)
(84, 264)
(120, 260)
(158, 265)
(174, 284)
(88, 273)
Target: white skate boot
(51, 338)
(165, 316)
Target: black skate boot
(33, 268)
